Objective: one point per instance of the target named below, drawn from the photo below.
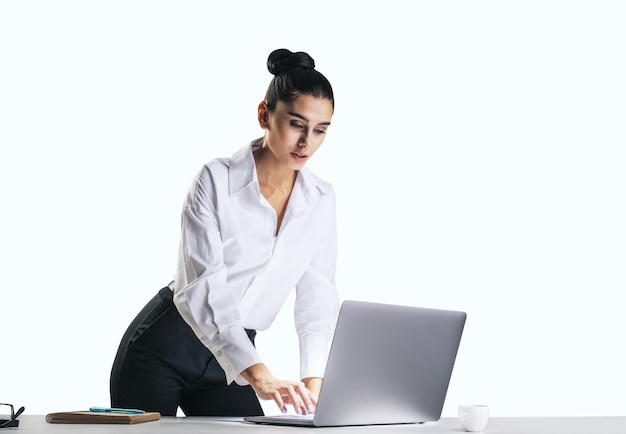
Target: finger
(307, 399)
(279, 402)
(296, 399)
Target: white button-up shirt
(234, 272)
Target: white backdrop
(477, 150)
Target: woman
(254, 227)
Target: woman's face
(294, 131)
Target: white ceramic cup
(473, 417)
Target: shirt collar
(242, 171)
(242, 174)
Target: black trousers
(161, 365)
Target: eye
(319, 131)
(296, 124)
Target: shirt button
(219, 353)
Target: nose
(302, 143)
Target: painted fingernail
(299, 411)
(284, 410)
(309, 407)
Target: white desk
(206, 425)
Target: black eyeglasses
(11, 421)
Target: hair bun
(282, 60)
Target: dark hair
(295, 74)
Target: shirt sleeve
(317, 303)
(201, 294)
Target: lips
(299, 156)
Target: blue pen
(115, 410)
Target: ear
(262, 114)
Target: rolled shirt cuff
(236, 354)
(313, 355)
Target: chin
(298, 166)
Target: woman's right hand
(283, 392)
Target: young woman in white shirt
(255, 226)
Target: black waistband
(167, 294)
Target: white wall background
(477, 149)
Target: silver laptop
(388, 364)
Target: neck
(270, 173)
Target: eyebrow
(305, 119)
